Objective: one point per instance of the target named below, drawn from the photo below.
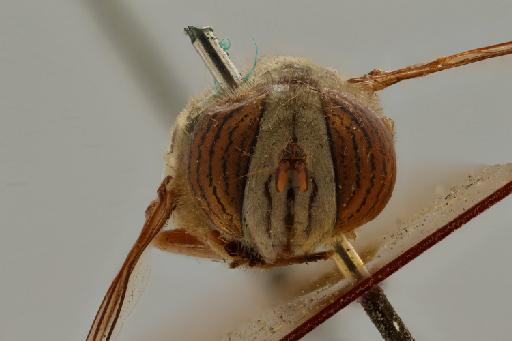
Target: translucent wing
(281, 320)
(464, 201)
(124, 287)
(134, 289)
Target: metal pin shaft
(216, 59)
(375, 303)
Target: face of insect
(284, 163)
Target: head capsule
(290, 160)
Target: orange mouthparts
(292, 169)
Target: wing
(113, 306)
(465, 201)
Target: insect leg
(109, 312)
(378, 79)
(181, 242)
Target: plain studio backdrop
(90, 89)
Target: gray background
(89, 90)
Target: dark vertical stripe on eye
(197, 174)
(222, 207)
(227, 181)
(241, 178)
(389, 165)
(357, 161)
(268, 213)
(225, 158)
(312, 198)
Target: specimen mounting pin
(214, 56)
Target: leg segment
(110, 310)
(181, 242)
(378, 79)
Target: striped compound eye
(363, 159)
(219, 160)
(290, 168)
